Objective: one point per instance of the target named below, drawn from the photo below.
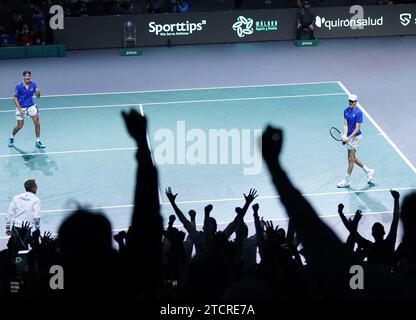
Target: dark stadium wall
(235, 26)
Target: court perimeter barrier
(236, 26)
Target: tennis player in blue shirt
(353, 117)
(23, 99)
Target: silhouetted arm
(352, 226)
(290, 235)
(317, 238)
(252, 194)
(189, 227)
(391, 237)
(361, 241)
(343, 217)
(231, 227)
(228, 231)
(189, 243)
(207, 212)
(146, 223)
(257, 224)
(259, 230)
(192, 215)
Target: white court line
(81, 107)
(185, 89)
(252, 221)
(304, 195)
(228, 200)
(74, 209)
(65, 152)
(405, 159)
(188, 101)
(369, 213)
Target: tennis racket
(337, 135)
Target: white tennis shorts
(354, 142)
(31, 111)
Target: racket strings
(335, 133)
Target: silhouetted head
(242, 231)
(281, 233)
(85, 241)
(85, 234)
(175, 236)
(238, 210)
(378, 231)
(211, 226)
(172, 219)
(31, 186)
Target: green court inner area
(206, 147)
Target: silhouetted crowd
(25, 30)
(307, 261)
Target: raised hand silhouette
(136, 126)
(208, 209)
(251, 196)
(271, 145)
(171, 197)
(192, 214)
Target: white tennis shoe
(370, 175)
(343, 184)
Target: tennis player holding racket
(353, 117)
(23, 99)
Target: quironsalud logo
(243, 26)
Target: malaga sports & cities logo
(245, 26)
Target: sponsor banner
(235, 26)
(358, 21)
(216, 27)
(172, 29)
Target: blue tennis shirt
(353, 116)
(25, 96)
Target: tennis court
(89, 157)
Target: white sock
(37, 139)
(12, 137)
(347, 177)
(366, 169)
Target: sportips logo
(243, 26)
(405, 19)
(357, 21)
(246, 26)
(175, 29)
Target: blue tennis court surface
(89, 157)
